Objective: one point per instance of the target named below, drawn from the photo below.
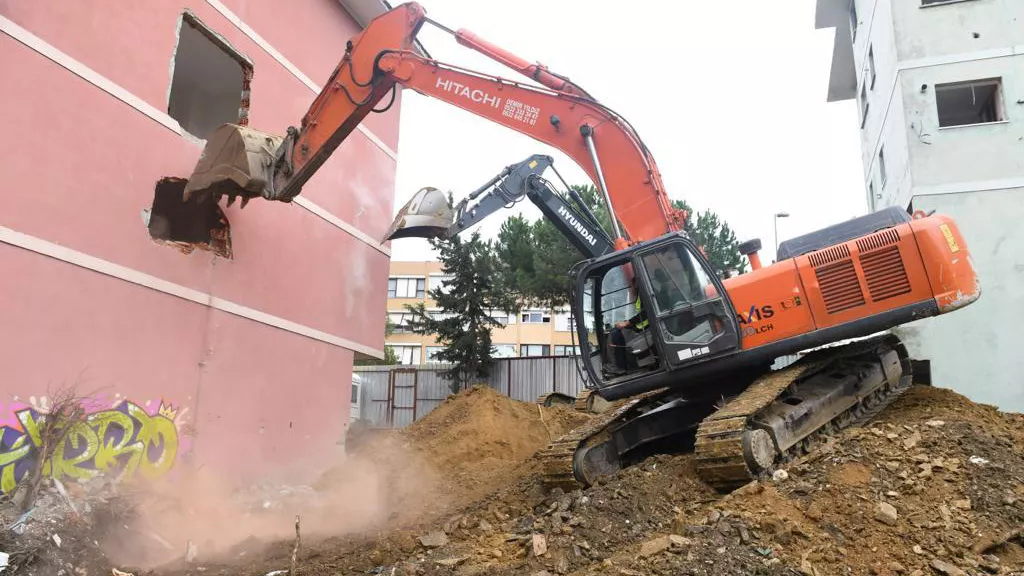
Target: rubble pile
(64, 529)
(933, 486)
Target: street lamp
(776, 221)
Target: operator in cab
(639, 322)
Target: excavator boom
(239, 161)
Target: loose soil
(952, 470)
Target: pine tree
(474, 290)
(715, 238)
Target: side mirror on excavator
(427, 215)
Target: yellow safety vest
(643, 323)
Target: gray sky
(729, 97)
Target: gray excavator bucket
(427, 215)
(237, 162)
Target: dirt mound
(479, 439)
(935, 485)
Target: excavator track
(556, 399)
(587, 401)
(557, 461)
(727, 457)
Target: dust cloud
(158, 519)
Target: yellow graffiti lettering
(110, 453)
(124, 440)
(80, 437)
(155, 431)
(8, 460)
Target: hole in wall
(210, 81)
(187, 226)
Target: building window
(406, 287)
(355, 393)
(853, 20)
(440, 315)
(563, 322)
(432, 353)
(535, 317)
(881, 166)
(503, 318)
(526, 350)
(503, 350)
(437, 281)
(400, 321)
(566, 350)
(406, 354)
(973, 102)
(210, 81)
(871, 65)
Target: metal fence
(396, 396)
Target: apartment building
(531, 332)
(263, 318)
(939, 86)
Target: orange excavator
(684, 356)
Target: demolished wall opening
(210, 80)
(198, 223)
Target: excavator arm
(428, 214)
(241, 162)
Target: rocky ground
(935, 485)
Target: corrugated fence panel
(567, 376)
(374, 397)
(432, 391)
(391, 392)
(404, 397)
(531, 377)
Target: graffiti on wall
(122, 441)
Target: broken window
(198, 223)
(210, 80)
(863, 104)
(881, 166)
(973, 102)
(871, 65)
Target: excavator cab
(683, 316)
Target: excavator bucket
(237, 162)
(427, 215)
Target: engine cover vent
(885, 274)
(827, 255)
(840, 288)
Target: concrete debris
(935, 423)
(886, 513)
(434, 539)
(450, 562)
(540, 545)
(977, 460)
(56, 539)
(5, 558)
(277, 573)
(191, 551)
(964, 504)
(656, 546)
(116, 572)
(946, 568)
(780, 476)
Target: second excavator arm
(428, 214)
(243, 162)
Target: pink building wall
(253, 354)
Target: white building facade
(940, 91)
